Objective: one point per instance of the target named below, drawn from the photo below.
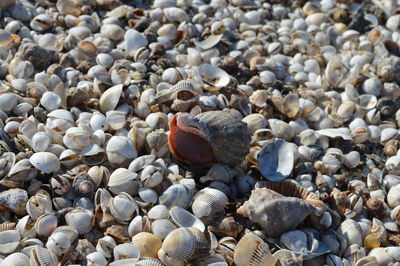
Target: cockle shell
(147, 243)
(183, 218)
(45, 161)
(209, 204)
(122, 180)
(123, 207)
(9, 241)
(183, 245)
(109, 99)
(42, 256)
(217, 135)
(17, 259)
(251, 250)
(80, 219)
(213, 75)
(176, 195)
(273, 211)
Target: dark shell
(215, 136)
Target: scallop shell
(224, 134)
(252, 251)
(147, 243)
(273, 211)
(109, 99)
(276, 160)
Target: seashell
(61, 114)
(9, 241)
(252, 250)
(98, 121)
(162, 227)
(42, 256)
(77, 138)
(183, 245)
(176, 195)
(8, 101)
(109, 99)
(17, 259)
(134, 40)
(175, 14)
(50, 101)
(209, 42)
(122, 180)
(80, 219)
(120, 150)
(206, 129)
(280, 129)
(105, 246)
(139, 224)
(96, 259)
(123, 207)
(158, 212)
(393, 196)
(288, 189)
(209, 204)
(274, 205)
(147, 243)
(303, 242)
(38, 205)
(149, 262)
(15, 200)
(46, 224)
(125, 251)
(148, 196)
(183, 218)
(22, 171)
(276, 160)
(45, 162)
(351, 231)
(213, 76)
(116, 119)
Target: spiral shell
(217, 136)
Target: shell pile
(191, 132)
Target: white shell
(50, 101)
(45, 161)
(276, 160)
(109, 99)
(9, 241)
(213, 75)
(134, 40)
(183, 218)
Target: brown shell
(288, 189)
(228, 137)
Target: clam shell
(276, 160)
(213, 75)
(158, 212)
(252, 251)
(162, 227)
(209, 204)
(17, 259)
(9, 241)
(351, 231)
(176, 195)
(126, 250)
(109, 99)
(46, 224)
(147, 243)
(123, 207)
(45, 162)
(122, 180)
(42, 256)
(80, 219)
(14, 199)
(183, 218)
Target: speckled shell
(228, 136)
(14, 199)
(275, 213)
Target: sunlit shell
(122, 180)
(176, 195)
(15, 200)
(45, 162)
(125, 251)
(42, 256)
(209, 204)
(147, 243)
(9, 241)
(252, 250)
(18, 259)
(80, 219)
(120, 150)
(162, 227)
(183, 218)
(123, 207)
(109, 99)
(46, 224)
(275, 160)
(214, 76)
(96, 258)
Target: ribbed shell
(147, 243)
(149, 262)
(42, 257)
(288, 189)
(252, 251)
(176, 195)
(180, 244)
(183, 85)
(14, 199)
(228, 136)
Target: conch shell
(275, 213)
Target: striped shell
(42, 256)
(251, 250)
(147, 243)
(217, 137)
(288, 189)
